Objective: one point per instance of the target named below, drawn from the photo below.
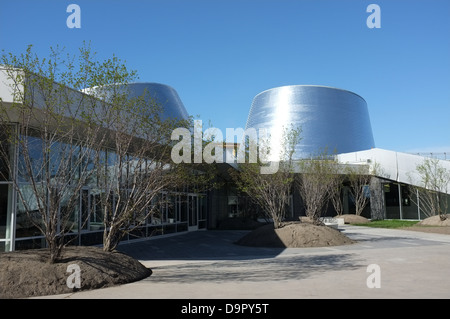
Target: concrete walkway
(383, 263)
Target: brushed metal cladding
(166, 96)
(331, 119)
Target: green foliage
(389, 223)
(317, 183)
(47, 96)
(432, 189)
(269, 191)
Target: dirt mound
(353, 219)
(27, 273)
(434, 221)
(295, 235)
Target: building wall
(183, 212)
(391, 165)
(18, 231)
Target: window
(171, 209)
(28, 214)
(5, 156)
(31, 159)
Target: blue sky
(219, 54)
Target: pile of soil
(435, 221)
(353, 219)
(432, 224)
(295, 234)
(27, 273)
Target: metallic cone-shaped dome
(164, 95)
(331, 119)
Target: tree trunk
(377, 204)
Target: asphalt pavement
(383, 264)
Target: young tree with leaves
(337, 188)
(315, 182)
(432, 189)
(359, 178)
(68, 138)
(138, 168)
(51, 128)
(271, 192)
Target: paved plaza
(384, 263)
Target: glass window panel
(194, 211)
(90, 159)
(112, 167)
(133, 165)
(202, 207)
(64, 162)
(5, 155)
(163, 204)
(31, 159)
(156, 217)
(57, 160)
(100, 169)
(28, 214)
(96, 215)
(70, 210)
(178, 208)
(184, 208)
(85, 209)
(5, 211)
(171, 209)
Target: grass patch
(389, 223)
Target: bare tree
(359, 179)
(48, 125)
(315, 184)
(336, 192)
(432, 191)
(138, 168)
(271, 192)
(79, 127)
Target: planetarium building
(330, 119)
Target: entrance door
(193, 212)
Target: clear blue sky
(219, 54)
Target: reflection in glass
(156, 217)
(96, 211)
(5, 156)
(5, 211)
(171, 209)
(184, 208)
(28, 215)
(85, 209)
(70, 211)
(31, 159)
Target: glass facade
(174, 211)
(6, 193)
